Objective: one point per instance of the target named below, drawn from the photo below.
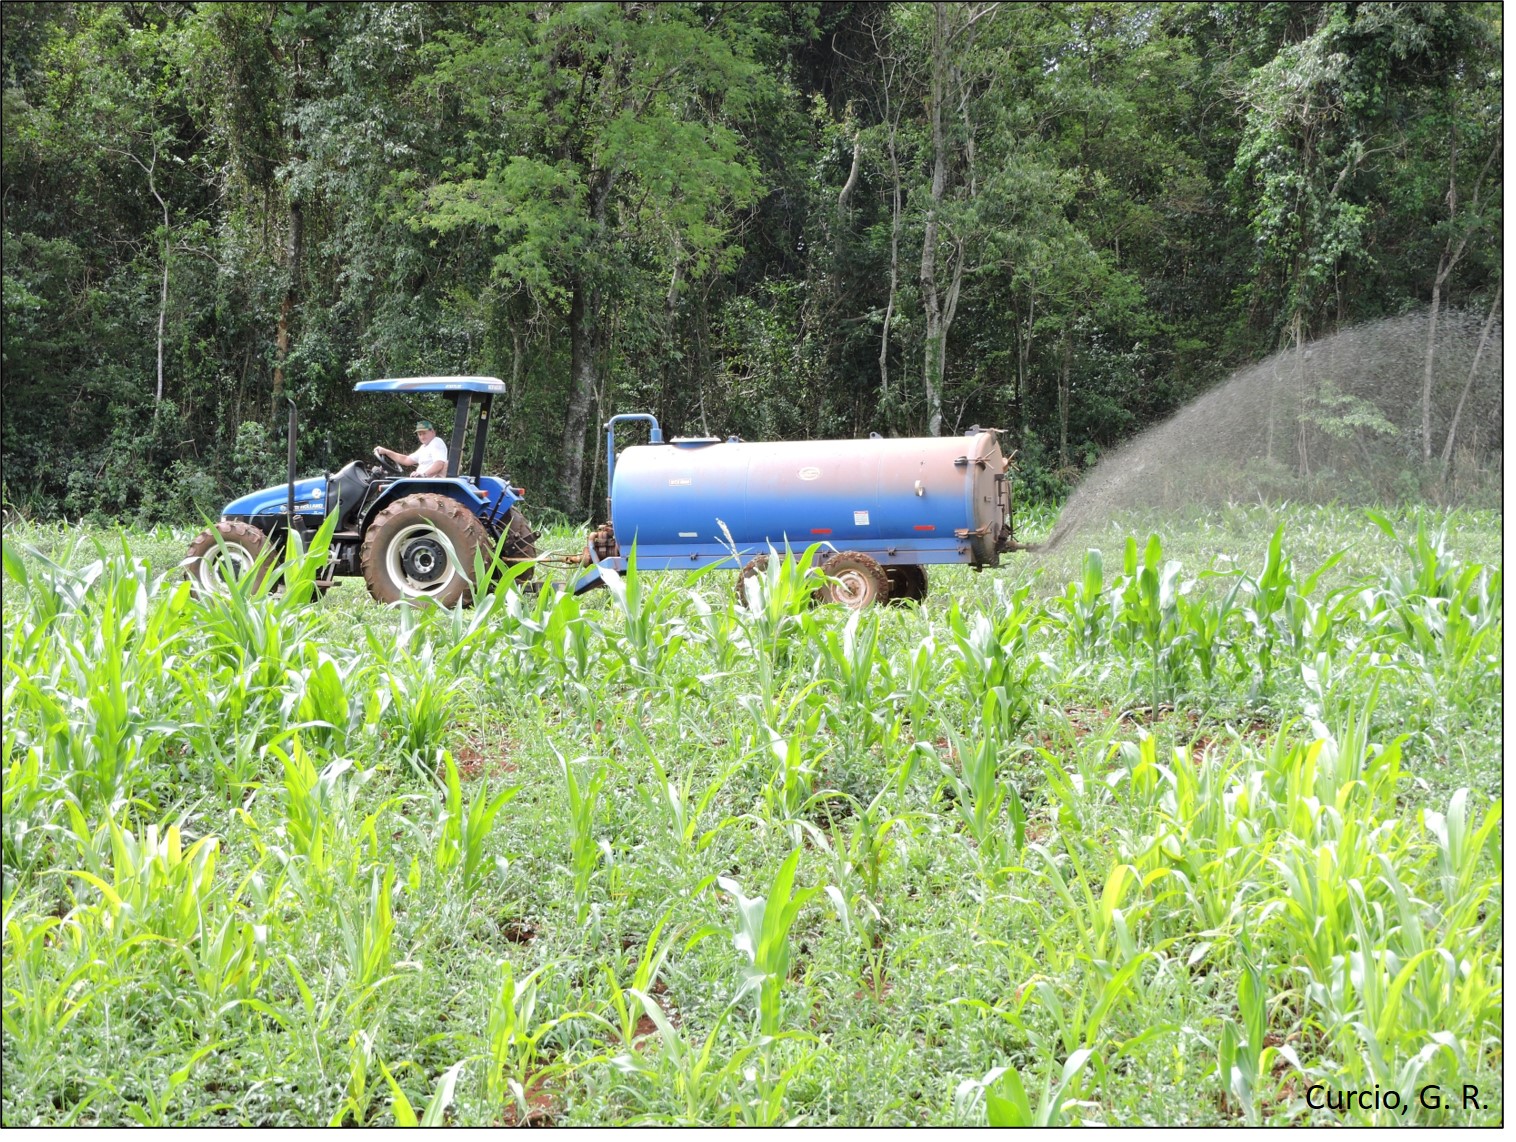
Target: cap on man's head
(424, 425)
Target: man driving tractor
(430, 459)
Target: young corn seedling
(320, 698)
(585, 848)
(997, 656)
(981, 796)
(1087, 609)
(655, 953)
(1148, 618)
(463, 833)
(367, 937)
(513, 1038)
(1005, 1098)
(701, 1082)
(682, 811)
(650, 635)
(315, 805)
(762, 936)
(775, 610)
(157, 886)
(423, 706)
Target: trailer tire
(858, 581)
(908, 582)
(207, 562)
(754, 568)
(421, 550)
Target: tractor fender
(454, 489)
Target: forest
(783, 221)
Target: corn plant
(645, 974)
(681, 809)
(775, 612)
(650, 635)
(1086, 608)
(422, 708)
(367, 938)
(762, 936)
(585, 847)
(156, 885)
(700, 1080)
(1278, 608)
(998, 656)
(513, 1035)
(1005, 1098)
(982, 798)
(463, 833)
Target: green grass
(1170, 835)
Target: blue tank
(930, 500)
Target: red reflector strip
(821, 531)
(926, 527)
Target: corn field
(1188, 828)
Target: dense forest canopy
(780, 220)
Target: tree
(596, 140)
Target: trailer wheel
(859, 581)
(209, 565)
(907, 582)
(754, 568)
(421, 549)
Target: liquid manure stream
(1333, 420)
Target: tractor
(412, 539)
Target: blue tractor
(412, 539)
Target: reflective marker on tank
(689, 535)
(821, 531)
(926, 527)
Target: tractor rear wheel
(859, 581)
(210, 566)
(519, 545)
(421, 550)
(907, 582)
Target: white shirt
(432, 450)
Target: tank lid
(694, 441)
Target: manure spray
(1334, 420)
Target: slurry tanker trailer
(882, 510)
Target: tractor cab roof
(454, 386)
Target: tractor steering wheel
(388, 464)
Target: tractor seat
(346, 490)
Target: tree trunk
(1063, 397)
(295, 252)
(889, 309)
(1484, 337)
(1452, 254)
(1426, 378)
(934, 353)
(581, 395)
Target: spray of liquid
(1348, 418)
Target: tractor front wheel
(857, 581)
(421, 549)
(224, 553)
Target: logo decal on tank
(680, 482)
(809, 473)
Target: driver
(429, 460)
